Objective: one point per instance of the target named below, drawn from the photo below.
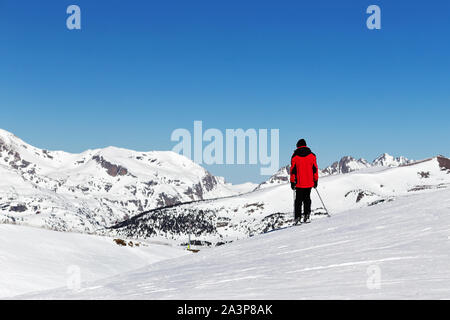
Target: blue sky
(140, 69)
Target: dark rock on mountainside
(112, 169)
(444, 163)
(165, 200)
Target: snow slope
(405, 242)
(35, 259)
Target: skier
(304, 176)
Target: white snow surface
(406, 242)
(34, 259)
(243, 187)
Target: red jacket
(304, 170)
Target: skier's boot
(306, 219)
(297, 221)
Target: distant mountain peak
(345, 165)
(386, 160)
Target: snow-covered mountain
(386, 160)
(223, 220)
(346, 164)
(96, 188)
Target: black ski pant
(302, 197)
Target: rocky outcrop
(112, 169)
(444, 163)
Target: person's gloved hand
(293, 185)
(315, 184)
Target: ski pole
(294, 196)
(322, 202)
